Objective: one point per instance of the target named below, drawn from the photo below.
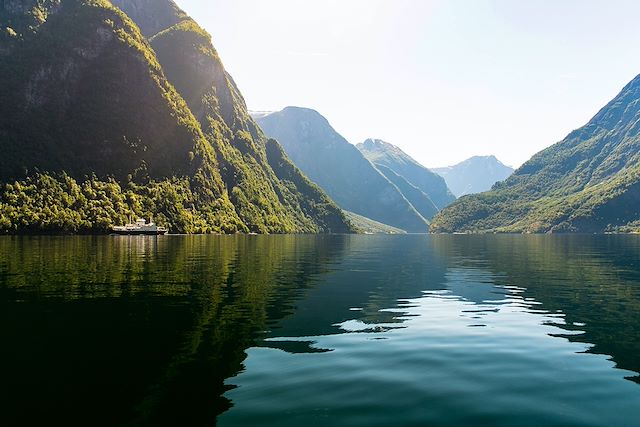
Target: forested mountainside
(588, 182)
(108, 111)
(369, 226)
(474, 175)
(382, 153)
(340, 169)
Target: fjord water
(320, 330)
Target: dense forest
(102, 118)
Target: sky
(442, 79)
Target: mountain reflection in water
(326, 330)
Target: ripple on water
(321, 330)
(440, 367)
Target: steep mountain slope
(192, 65)
(340, 169)
(84, 97)
(589, 182)
(92, 100)
(474, 175)
(21, 18)
(420, 201)
(431, 184)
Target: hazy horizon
(444, 81)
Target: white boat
(140, 228)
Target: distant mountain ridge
(588, 182)
(474, 175)
(340, 169)
(382, 153)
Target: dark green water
(320, 331)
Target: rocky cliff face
(20, 18)
(26, 15)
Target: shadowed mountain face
(388, 155)
(420, 201)
(589, 182)
(138, 102)
(474, 175)
(340, 169)
(82, 92)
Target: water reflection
(594, 281)
(340, 330)
(370, 276)
(476, 347)
(141, 330)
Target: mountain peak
(474, 175)
(292, 111)
(152, 16)
(373, 144)
(301, 112)
(309, 126)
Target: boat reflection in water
(139, 228)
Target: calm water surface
(320, 330)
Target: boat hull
(139, 232)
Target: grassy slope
(589, 182)
(367, 225)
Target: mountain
(474, 175)
(589, 182)
(112, 111)
(420, 201)
(340, 169)
(382, 153)
(152, 16)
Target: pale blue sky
(444, 80)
